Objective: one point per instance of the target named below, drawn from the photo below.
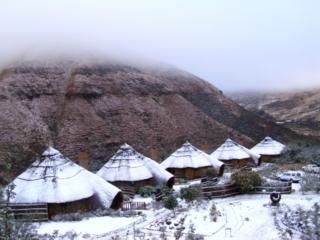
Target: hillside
(299, 111)
(86, 110)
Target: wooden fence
(227, 190)
(283, 188)
(209, 181)
(27, 212)
(220, 191)
(134, 206)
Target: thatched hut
(129, 168)
(268, 148)
(235, 155)
(189, 162)
(65, 186)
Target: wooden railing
(226, 190)
(220, 191)
(27, 212)
(134, 206)
(283, 188)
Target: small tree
(189, 193)
(246, 180)
(171, 202)
(214, 213)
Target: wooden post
(228, 229)
(154, 153)
(83, 159)
(205, 147)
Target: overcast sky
(236, 45)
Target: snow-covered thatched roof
(189, 156)
(268, 146)
(129, 165)
(56, 179)
(231, 150)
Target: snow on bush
(310, 182)
(305, 223)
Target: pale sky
(234, 44)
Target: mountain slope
(86, 110)
(300, 110)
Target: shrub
(171, 203)
(147, 191)
(166, 190)
(246, 180)
(214, 213)
(190, 193)
(310, 182)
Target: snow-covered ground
(241, 217)
(93, 226)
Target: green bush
(147, 191)
(246, 180)
(166, 190)
(190, 193)
(171, 202)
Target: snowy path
(142, 223)
(248, 216)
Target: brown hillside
(90, 109)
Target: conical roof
(188, 156)
(268, 146)
(129, 165)
(231, 150)
(56, 179)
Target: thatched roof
(268, 146)
(231, 150)
(188, 156)
(56, 179)
(129, 165)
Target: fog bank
(236, 45)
